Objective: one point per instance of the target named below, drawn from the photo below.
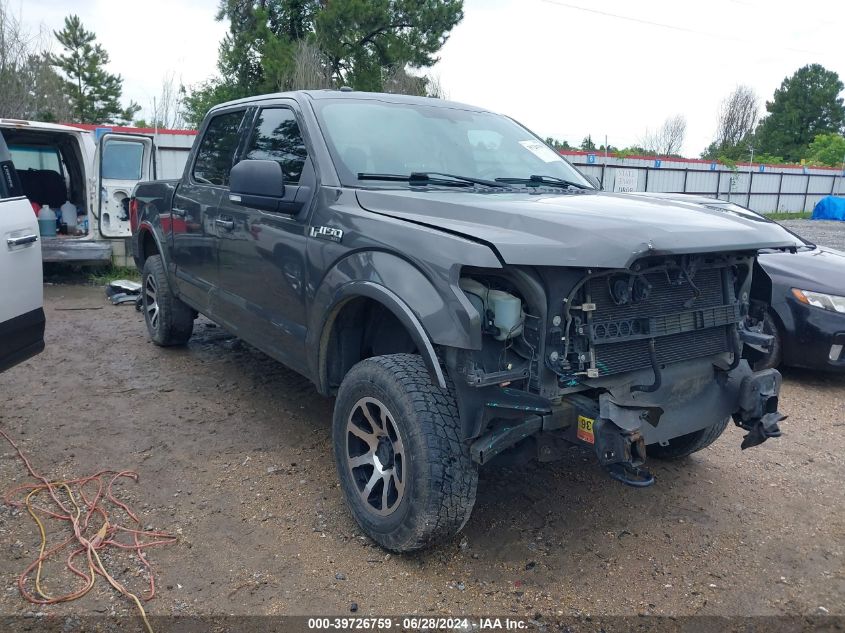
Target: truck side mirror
(257, 183)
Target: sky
(564, 68)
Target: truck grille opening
(682, 328)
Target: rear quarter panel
(152, 213)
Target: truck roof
(354, 95)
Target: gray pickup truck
(461, 289)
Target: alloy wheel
(375, 456)
(151, 301)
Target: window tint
(276, 137)
(122, 160)
(29, 157)
(217, 149)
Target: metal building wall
(776, 188)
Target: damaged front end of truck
(628, 360)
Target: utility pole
(750, 173)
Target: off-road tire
(440, 479)
(773, 358)
(686, 445)
(173, 322)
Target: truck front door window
(276, 137)
(217, 149)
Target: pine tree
(299, 44)
(806, 105)
(94, 92)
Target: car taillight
(133, 214)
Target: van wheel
(688, 444)
(405, 473)
(169, 321)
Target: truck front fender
(433, 311)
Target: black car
(801, 299)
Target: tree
(94, 92)
(294, 44)
(587, 144)
(668, 139)
(737, 118)
(558, 144)
(366, 40)
(806, 104)
(29, 87)
(827, 149)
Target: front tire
(773, 358)
(405, 473)
(169, 321)
(686, 445)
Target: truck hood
(598, 230)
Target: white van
(95, 169)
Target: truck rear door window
(276, 136)
(217, 149)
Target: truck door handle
(20, 241)
(225, 224)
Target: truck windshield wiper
(431, 178)
(536, 181)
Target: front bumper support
(758, 407)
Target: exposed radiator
(682, 329)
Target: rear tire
(686, 445)
(405, 473)
(169, 321)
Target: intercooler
(683, 325)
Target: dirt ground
(234, 456)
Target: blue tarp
(829, 208)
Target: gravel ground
(822, 232)
(234, 456)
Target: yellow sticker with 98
(585, 429)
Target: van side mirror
(257, 183)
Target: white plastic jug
(69, 216)
(47, 221)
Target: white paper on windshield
(541, 151)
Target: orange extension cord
(79, 517)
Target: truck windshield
(371, 136)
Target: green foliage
(827, 149)
(108, 274)
(587, 144)
(806, 105)
(789, 215)
(769, 159)
(728, 162)
(94, 93)
(726, 152)
(634, 150)
(362, 39)
(558, 144)
(365, 44)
